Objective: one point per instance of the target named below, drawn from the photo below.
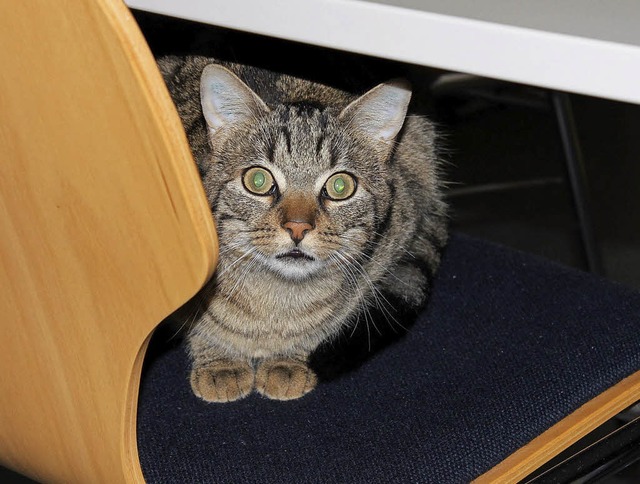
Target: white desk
(584, 46)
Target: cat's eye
(340, 186)
(259, 181)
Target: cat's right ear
(226, 99)
(380, 112)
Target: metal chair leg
(577, 178)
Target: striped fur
(262, 315)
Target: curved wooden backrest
(104, 230)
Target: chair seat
(509, 345)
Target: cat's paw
(222, 380)
(284, 379)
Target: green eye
(340, 186)
(258, 180)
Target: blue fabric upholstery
(509, 345)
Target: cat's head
(299, 188)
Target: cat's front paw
(222, 380)
(284, 379)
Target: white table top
(584, 46)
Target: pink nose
(297, 230)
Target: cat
(326, 204)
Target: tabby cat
(325, 203)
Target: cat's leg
(285, 378)
(408, 283)
(215, 377)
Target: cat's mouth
(295, 254)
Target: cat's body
(323, 210)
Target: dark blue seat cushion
(509, 345)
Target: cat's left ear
(226, 99)
(380, 112)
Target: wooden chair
(105, 230)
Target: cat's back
(182, 75)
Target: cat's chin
(295, 265)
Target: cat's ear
(226, 99)
(380, 112)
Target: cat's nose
(297, 229)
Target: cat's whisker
(381, 302)
(404, 249)
(376, 301)
(394, 244)
(367, 313)
(378, 297)
(231, 248)
(382, 267)
(236, 242)
(344, 267)
(366, 320)
(228, 268)
(355, 326)
(196, 306)
(245, 272)
(188, 321)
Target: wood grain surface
(104, 230)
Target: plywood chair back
(104, 230)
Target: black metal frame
(496, 92)
(577, 178)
